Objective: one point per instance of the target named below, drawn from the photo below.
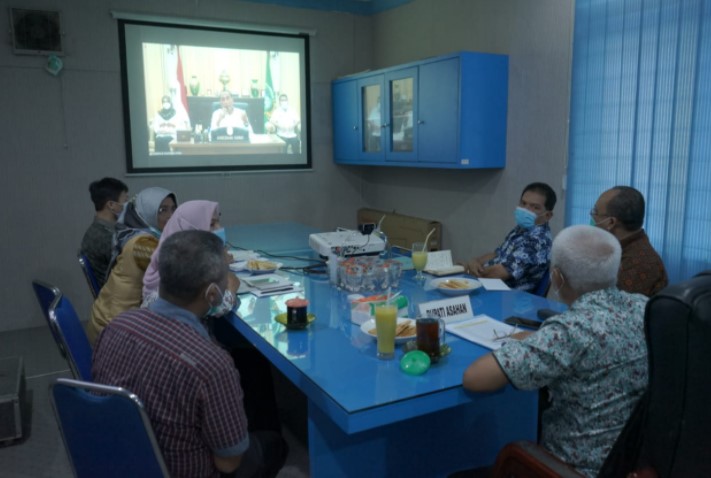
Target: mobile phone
(521, 321)
(543, 314)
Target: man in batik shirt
(592, 358)
(522, 259)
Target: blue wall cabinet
(443, 112)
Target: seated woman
(192, 215)
(136, 238)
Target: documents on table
(493, 284)
(483, 330)
(440, 263)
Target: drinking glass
(385, 325)
(419, 259)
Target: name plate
(451, 310)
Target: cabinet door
(438, 112)
(346, 124)
(401, 109)
(372, 118)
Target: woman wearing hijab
(200, 215)
(136, 238)
(166, 123)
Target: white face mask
(166, 106)
(284, 105)
(226, 305)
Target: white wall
(59, 134)
(476, 207)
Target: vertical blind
(641, 117)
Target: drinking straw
(424, 248)
(387, 302)
(381, 221)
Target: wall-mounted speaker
(35, 32)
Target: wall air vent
(35, 32)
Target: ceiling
(359, 7)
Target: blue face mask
(525, 218)
(221, 234)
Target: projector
(346, 243)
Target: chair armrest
(525, 459)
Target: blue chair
(70, 336)
(46, 294)
(89, 275)
(542, 287)
(106, 431)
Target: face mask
(598, 224)
(166, 106)
(284, 105)
(120, 213)
(525, 218)
(226, 305)
(556, 292)
(221, 234)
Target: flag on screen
(268, 89)
(183, 92)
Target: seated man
(522, 259)
(109, 196)
(593, 357)
(620, 210)
(228, 122)
(188, 384)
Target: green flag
(268, 89)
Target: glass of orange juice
(385, 324)
(419, 259)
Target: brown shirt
(641, 269)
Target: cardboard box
(402, 230)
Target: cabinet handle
(384, 125)
(355, 128)
(420, 121)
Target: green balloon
(415, 362)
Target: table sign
(451, 310)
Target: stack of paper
(440, 263)
(270, 284)
(483, 330)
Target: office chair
(46, 294)
(667, 433)
(70, 336)
(542, 287)
(106, 431)
(89, 275)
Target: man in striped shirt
(188, 384)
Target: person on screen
(287, 125)
(620, 210)
(374, 127)
(166, 124)
(522, 259)
(592, 358)
(189, 385)
(109, 196)
(228, 121)
(145, 217)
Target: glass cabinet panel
(401, 98)
(372, 126)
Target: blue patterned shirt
(593, 358)
(525, 254)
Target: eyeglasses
(593, 213)
(164, 209)
(504, 336)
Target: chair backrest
(71, 336)
(89, 275)
(106, 431)
(46, 294)
(542, 287)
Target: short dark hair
(105, 190)
(545, 190)
(188, 261)
(627, 206)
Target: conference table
(258, 144)
(365, 416)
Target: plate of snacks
(456, 285)
(262, 266)
(404, 330)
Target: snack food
(261, 265)
(454, 284)
(404, 329)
